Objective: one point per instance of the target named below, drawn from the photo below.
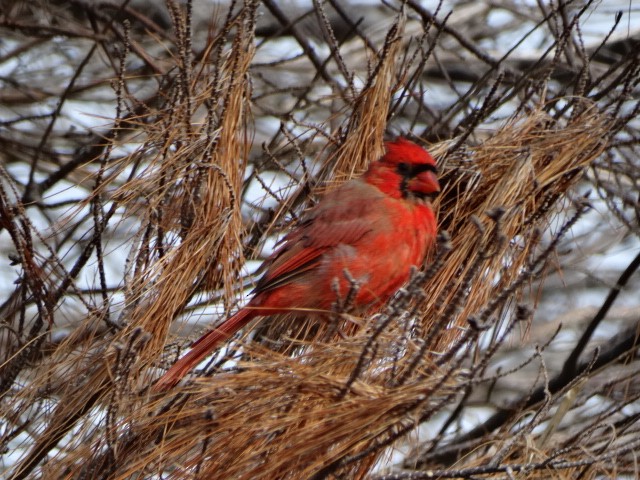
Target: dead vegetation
(121, 223)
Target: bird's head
(405, 171)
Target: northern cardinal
(374, 227)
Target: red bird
(374, 227)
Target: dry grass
(324, 405)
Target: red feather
(375, 227)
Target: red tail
(203, 347)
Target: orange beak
(425, 183)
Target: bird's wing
(343, 217)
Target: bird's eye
(412, 169)
(404, 169)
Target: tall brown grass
(167, 185)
